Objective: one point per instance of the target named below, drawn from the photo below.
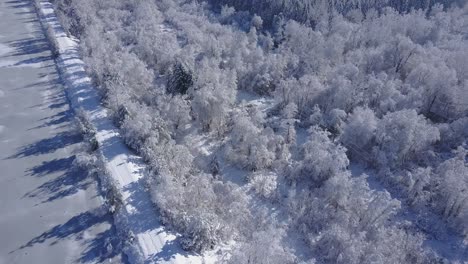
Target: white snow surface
(152, 242)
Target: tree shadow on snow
(69, 181)
(36, 48)
(48, 145)
(103, 246)
(73, 227)
(29, 46)
(19, 4)
(62, 117)
(63, 165)
(34, 60)
(58, 100)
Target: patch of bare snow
(5, 49)
(262, 103)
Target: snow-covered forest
(292, 131)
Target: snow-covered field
(50, 211)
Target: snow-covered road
(49, 211)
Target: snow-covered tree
(249, 146)
(320, 159)
(213, 95)
(453, 187)
(359, 131)
(402, 136)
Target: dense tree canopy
(254, 114)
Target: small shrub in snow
(87, 129)
(51, 37)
